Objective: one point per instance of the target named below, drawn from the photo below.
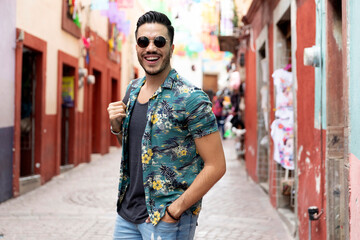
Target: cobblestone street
(80, 204)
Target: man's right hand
(117, 112)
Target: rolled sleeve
(201, 120)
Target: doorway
(29, 98)
(284, 124)
(210, 83)
(263, 106)
(67, 117)
(263, 118)
(286, 176)
(95, 108)
(114, 97)
(30, 81)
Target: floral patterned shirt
(178, 112)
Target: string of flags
(203, 36)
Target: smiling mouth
(152, 59)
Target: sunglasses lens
(160, 42)
(143, 42)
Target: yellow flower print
(154, 118)
(183, 152)
(147, 156)
(197, 210)
(157, 185)
(145, 159)
(156, 217)
(149, 151)
(186, 90)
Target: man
(172, 152)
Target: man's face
(154, 59)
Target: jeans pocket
(168, 227)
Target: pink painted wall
(354, 102)
(354, 197)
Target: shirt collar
(172, 76)
(168, 83)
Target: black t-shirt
(133, 206)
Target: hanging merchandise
(282, 131)
(264, 105)
(283, 85)
(235, 80)
(283, 137)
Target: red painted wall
(109, 69)
(114, 95)
(259, 20)
(251, 115)
(310, 141)
(49, 165)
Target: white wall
(7, 62)
(183, 66)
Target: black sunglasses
(159, 42)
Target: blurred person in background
(171, 147)
(217, 109)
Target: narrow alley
(80, 204)
(285, 72)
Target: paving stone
(238, 206)
(80, 204)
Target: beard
(155, 70)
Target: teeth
(152, 58)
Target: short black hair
(156, 17)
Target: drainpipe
(313, 216)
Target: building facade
(301, 93)
(7, 69)
(59, 70)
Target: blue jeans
(184, 229)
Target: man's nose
(151, 46)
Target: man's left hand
(166, 218)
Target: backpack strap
(128, 91)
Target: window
(67, 22)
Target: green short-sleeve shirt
(178, 113)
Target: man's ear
(172, 49)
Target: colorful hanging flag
(99, 4)
(125, 3)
